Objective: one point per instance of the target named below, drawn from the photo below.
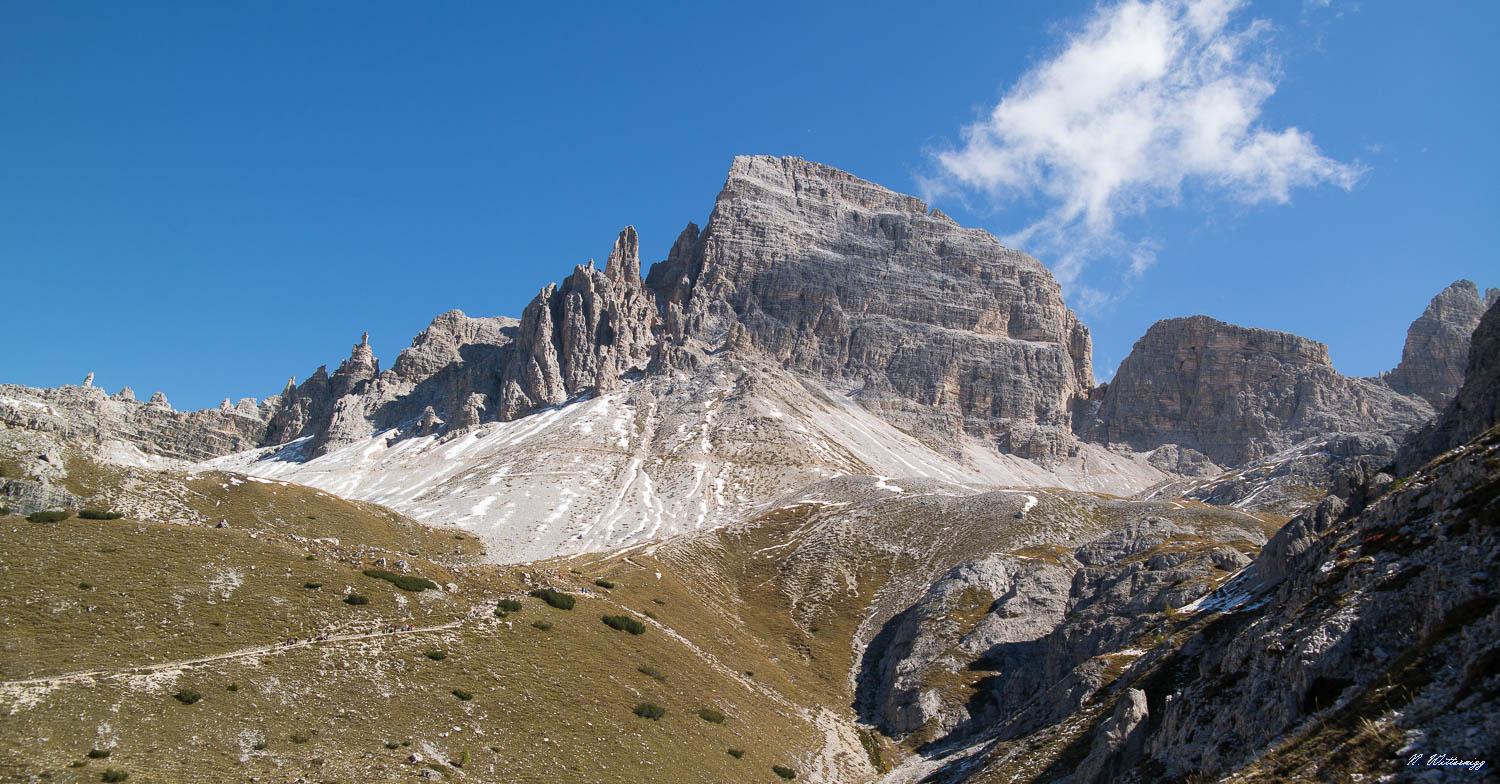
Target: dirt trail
(260, 650)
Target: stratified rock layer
(1237, 394)
(938, 328)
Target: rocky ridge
(1237, 394)
(1437, 344)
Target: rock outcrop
(1237, 394)
(938, 328)
(1437, 345)
(1475, 408)
(582, 335)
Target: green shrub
(355, 598)
(650, 710)
(711, 716)
(463, 695)
(98, 754)
(85, 586)
(187, 696)
(624, 623)
(436, 655)
(652, 672)
(405, 582)
(4, 510)
(392, 745)
(298, 737)
(55, 516)
(260, 745)
(312, 586)
(558, 599)
(543, 625)
(232, 687)
(651, 615)
(784, 772)
(100, 514)
(110, 774)
(603, 583)
(508, 605)
(662, 602)
(736, 753)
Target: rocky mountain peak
(1236, 393)
(1437, 344)
(939, 326)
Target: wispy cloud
(1143, 99)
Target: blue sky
(205, 199)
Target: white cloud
(1146, 98)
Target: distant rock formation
(1437, 344)
(1476, 407)
(1237, 394)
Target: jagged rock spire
(1437, 345)
(88, 381)
(625, 259)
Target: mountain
(1237, 394)
(828, 493)
(1437, 344)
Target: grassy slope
(547, 705)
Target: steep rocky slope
(1437, 344)
(1237, 394)
(660, 455)
(1360, 640)
(937, 328)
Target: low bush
(662, 602)
(298, 737)
(100, 514)
(53, 516)
(624, 623)
(508, 605)
(652, 672)
(98, 754)
(436, 655)
(737, 753)
(784, 772)
(405, 582)
(711, 716)
(312, 586)
(110, 774)
(543, 625)
(651, 615)
(392, 745)
(463, 695)
(650, 710)
(603, 583)
(85, 586)
(260, 745)
(355, 598)
(4, 510)
(232, 687)
(187, 696)
(558, 599)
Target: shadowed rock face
(1237, 394)
(1474, 409)
(1437, 345)
(936, 327)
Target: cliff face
(937, 327)
(1437, 344)
(1474, 409)
(1237, 394)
